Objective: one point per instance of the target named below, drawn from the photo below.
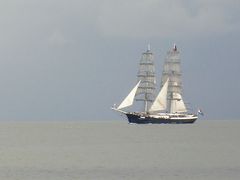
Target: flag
(200, 112)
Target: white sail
(146, 73)
(177, 104)
(160, 102)
(128, 101)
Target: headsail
(160, 102)
(177, 104)
(128, 101)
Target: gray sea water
(118, 150)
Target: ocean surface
(118, 150)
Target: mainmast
(146, 73)
(172, 70)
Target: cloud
(164, 18)
(57, 39)
(113, 18)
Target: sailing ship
(168, 106)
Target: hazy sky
(71, 60)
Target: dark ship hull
(145, 119)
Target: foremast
(146, 74)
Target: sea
(112, 150)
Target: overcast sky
(71, 60)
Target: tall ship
(165, 107)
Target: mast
(172, 70)
(146, 74)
